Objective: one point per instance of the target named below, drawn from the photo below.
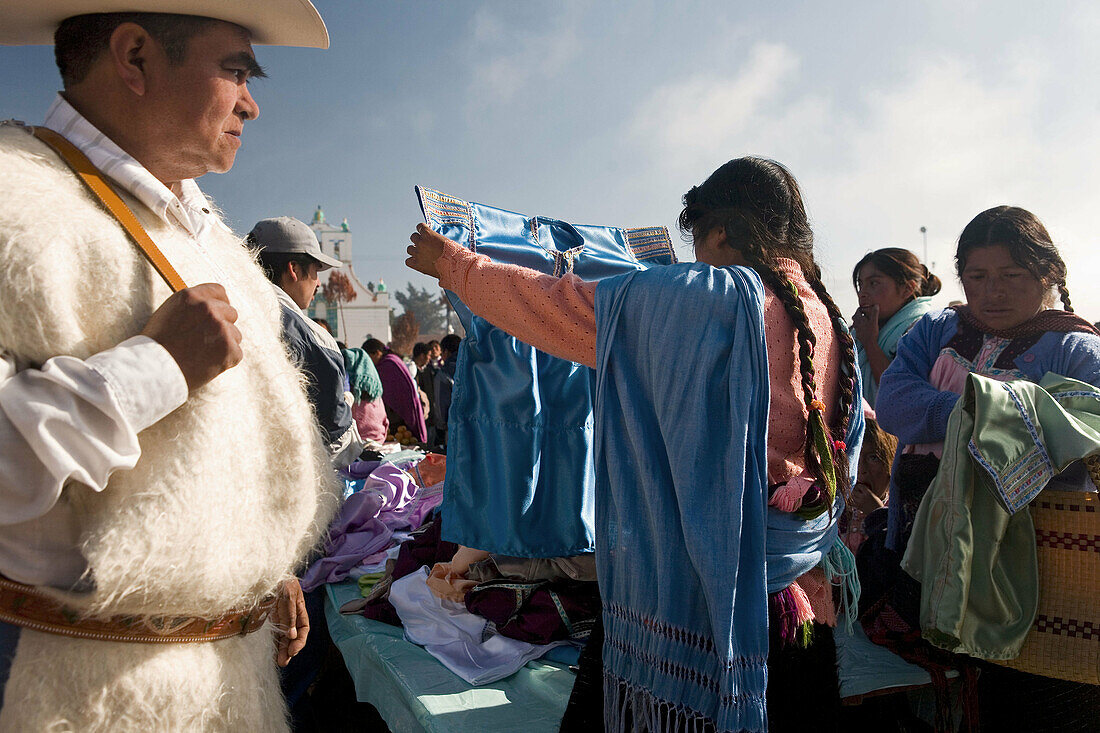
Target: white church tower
(368, 315)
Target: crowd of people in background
(912, 359)
(414, 391)
(175, 449)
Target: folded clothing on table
(463, 642)
(389, 500)
(539, 612)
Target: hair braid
(757, 204)
(847, 385)
(1063, 292)
(787, 293)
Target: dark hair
(1026, 239)
(420, 349)
(758, 204)
(450, 343)
(877, 443)
(901, 266)
(323, 323)
(79, 40)
(433, 343)
(274, 264)
(372, 345)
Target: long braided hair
(1026, 239)
(758, 204)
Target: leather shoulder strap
(95, 182)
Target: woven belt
(26, 606)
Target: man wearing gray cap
(291, 258)
(160, 473)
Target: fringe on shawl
(791, 609)
(840, 570)
(628, 708)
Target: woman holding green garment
(895, 290)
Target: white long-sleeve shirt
(78, 420)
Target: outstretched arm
(555, 315)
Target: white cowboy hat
(271, 22)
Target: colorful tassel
(802, 607)
(791, 608)
(806, 637)
(788, 497)
(820, 435)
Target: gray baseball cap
(288, 235)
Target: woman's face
(1000, 293)
(873, 484)
(876, 288)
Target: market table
(413, 692)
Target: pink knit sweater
(558, 316)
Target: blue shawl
(687, 549)
(681, 484)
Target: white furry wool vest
(230, 492)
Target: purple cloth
(539, 612)
(365, 524)
(400, 394)
(424, 506)
(360, 469)
(425, 503)
(424, 548)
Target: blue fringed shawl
(681, 485)
(687, 549)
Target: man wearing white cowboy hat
(160, 471)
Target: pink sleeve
(555, 315)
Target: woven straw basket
(1065, 641)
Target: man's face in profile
(201, 104)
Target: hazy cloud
(931, 148)
(510, 57)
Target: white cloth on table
(463, 642)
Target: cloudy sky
(891, 116)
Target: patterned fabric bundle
(972, 548)
(538, 612)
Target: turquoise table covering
(413, 692)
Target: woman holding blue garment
(894, 290)
(718, 486)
